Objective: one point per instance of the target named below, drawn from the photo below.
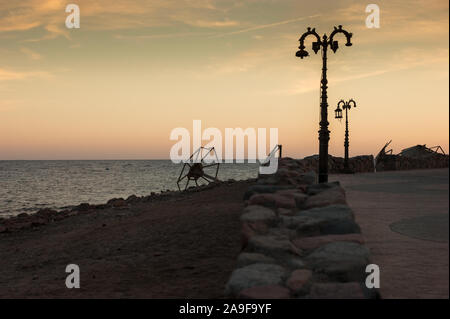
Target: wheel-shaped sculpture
(197, 168)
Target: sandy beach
(173, 246)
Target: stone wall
(358, 164)
(398, 162)
(299, 240)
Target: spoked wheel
(198, 169)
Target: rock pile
(399, 162)
(358, 164)
(299, 240)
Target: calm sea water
(26, 186)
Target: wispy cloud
(265, 26)
(7, 75)
(30, 53)
(160, 36)
(212, 23)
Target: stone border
(299, 240)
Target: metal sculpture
(196, 167)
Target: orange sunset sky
(116, 87)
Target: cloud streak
(265, 26)
(8, 75)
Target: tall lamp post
(323, 44)
(338, 114)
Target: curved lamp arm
(307, 33)
(341, 102)
(316, 45)
(334, 44)
(351, 101)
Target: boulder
(331, 196)
(299, 281)
(46, 212)
(334, 219)
(259, 214)
(307, 244)
(285, 212)
(272, 246)
(308, 178)
(292, 262)
(253, 276)
(117, 202)
(263, 189)
(273, 200)
(132, 199)
(340, 261)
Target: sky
(116, 87)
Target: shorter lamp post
(346, 105)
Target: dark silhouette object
(278, 148)
(324, 133)
(197, 165)
(421, 151)
(272, 153)
(414, 157)
(437, 149)
(346, 105)
(382, 154)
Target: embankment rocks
(300, 240)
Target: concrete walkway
(404, 218)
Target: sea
(27, 186)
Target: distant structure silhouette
(346, 105)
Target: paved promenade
(404, 218)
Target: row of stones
(300, 240)
(357, 164)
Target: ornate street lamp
(323, 44)
(338, 114)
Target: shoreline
(44, 216)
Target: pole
(324, 133)
(346, 143)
